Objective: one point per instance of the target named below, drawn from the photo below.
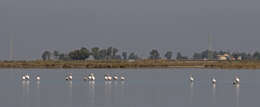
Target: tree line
(112, 53)
(96, 53)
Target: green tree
(168, 55)
(197, 56)
(154, 54)
(56, 54)
(180, 57)
(256, 56)
(81, 54)
(95, 53)
(133, 56)
(114, 52)
(46, 55)
(64, 57)
(109, 52)
(124, 54)
(103, 54)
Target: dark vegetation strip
(133, 64)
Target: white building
(224, 57)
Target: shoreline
(214, 64)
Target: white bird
(23, 77)
(191, 78)
(38, 78)
(68, 77)
(109, 78)
(236, 81)
(106, 77)
(91, 77)
(122, 77)
(213, 80)
(85, 78)
(27, 77)
(115, 77)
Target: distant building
(131, 60)
(224, 57)
(91, 58)
(239, 58)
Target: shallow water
(143, 88)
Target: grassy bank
(135, 64)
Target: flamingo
(68, 77)
(191, 78)
(38, 78)
(213, 80)
(236, 81)
(122, 77)
(115, 77)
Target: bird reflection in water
(116, 83)
(214, 90)
(26, 93)
(91, 93)
(91, 84)
(122, 83)
(69, 85)
(108, 83)
(108, 93)
(38, 84)
(214, 94)
(191, 92)
(38, 94)
(237, 94)
(25, 84)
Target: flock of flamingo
(90, 77)
(236, 81)
(117, 76)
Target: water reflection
(122, 83)
(214, 94)
(69, 84)
(108, 93)
(25, 84)
(38, 84)
(91, 93)
(26, 93)
(91, 84)
(122, 93)
(108, 87)
(107, 83)
(116, 83)
(38, 94)
(191, 92)
(237, 94)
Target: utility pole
(11, 47)
(210, 52)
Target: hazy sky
(131, 25)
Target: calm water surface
(143, 88)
